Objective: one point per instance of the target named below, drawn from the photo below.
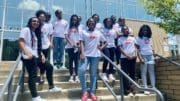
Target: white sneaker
(130, 94)
(77, 79)
(104, 77)
(71, 79)
(55, 89)
(146, 92)
(111, 77)
(154, 88)
(38, 98)
(75, 50)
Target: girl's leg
(31, 66)
(94, 61)
(81, 73)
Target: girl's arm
(24, 49)
(70, 41)
(102, 46)
(141, 60)
(123, 52)
(82, 54)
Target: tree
(168, 11)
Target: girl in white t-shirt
(110, 35)
(128, 51)
(72, 47)
(146, 55)
(90, 53)
(30, 45)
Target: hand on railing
(132, 81)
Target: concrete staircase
(70, 91)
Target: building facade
(17, 12)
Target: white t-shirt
(30, 41)
(91, 42)
(110, 36)
(81, 27)
(145, 45)
(74, 36)
(128, 45)
(47, 30)
(99, 26)
(60, 28)
(116, 26)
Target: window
(130, 11)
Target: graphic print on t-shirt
(146, 41)
(92, 36)
(128, 41)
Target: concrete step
(70, 91)
(57, 77)
(6, 65)
(56, 72)
(74, 93)
(65, 85)
(137, 97)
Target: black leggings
(128, 66)
(73, 57)
(46, 53)
(32, 66)
(109, 52)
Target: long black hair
(71, 20)
(141, 33)
(37, 33)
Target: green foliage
(10, 50)
(167, 10)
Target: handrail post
(22, 79)
(10, 90)
(121, 87)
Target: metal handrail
(168, 60)
(109, 88)
(19, 85)
(132, 81)
(8, 82)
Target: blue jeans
(58, 50)
(148, 66)
(93, 67)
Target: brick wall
(168, 79)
